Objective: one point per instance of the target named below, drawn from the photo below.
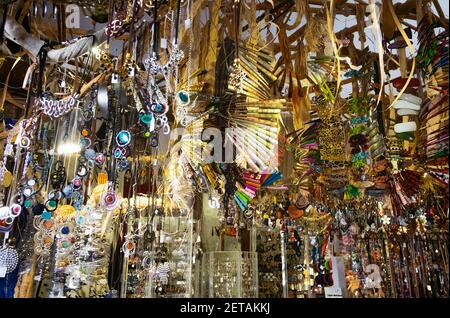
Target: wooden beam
(10, 99)
(442, 18)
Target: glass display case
(270, 276)
(170, 275)
(230, 274)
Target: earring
(9, 259)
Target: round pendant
(123, 138)
(118, 152)
(27, 204)
(183, 98)
(65, 244)
(100, 159)
(46, 215)
(85, 142)
(64, 230)
(55, 194)
(82, 170)
(90, 154)
(27, 191)
(51, 205)
(9, 258)
(85, 132)
(146, 118)
(15, 210)
(158, 108)
(123, 163)
(110, 200)
(7, 179)
(128, 247)
(25, 142)
(77, 183)
(76, 195)
(154, 141)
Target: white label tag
(187, 23)
(333, 292)
(2, 271)
(114, 78)
(152, 125)
(9, 150)
(163, 43)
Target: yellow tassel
(102, 178)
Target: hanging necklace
(237, 74)
(152, 63)
(158, 104)
(182, 99)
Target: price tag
(2, 271)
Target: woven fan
(255, 134)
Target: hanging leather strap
(155, 28)
(42, 55)
(177, 21)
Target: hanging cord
(237, 16)
(177, 21)
(111, 17)
(155, 29)
(152, 47)
(330, 25)
(87, 67)
(131, 32)
(42, 55)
